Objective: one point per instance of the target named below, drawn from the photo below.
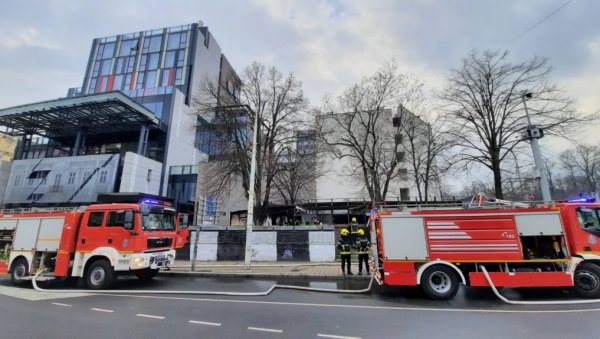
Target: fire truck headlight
(137, 262)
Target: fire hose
(539, 302)
(237, 294)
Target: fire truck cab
(94, 242)
(549, 245)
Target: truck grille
(159, 242)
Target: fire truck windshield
(158, 220)
(589, 220)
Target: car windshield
(158, 222)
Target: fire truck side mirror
(128, 225)
(185, 221)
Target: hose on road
(539, 302)
(237, 294)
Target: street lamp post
(250, 213)
(533, 134)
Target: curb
(262, 275)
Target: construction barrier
(267, 245)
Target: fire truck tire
(99, 275)
(19, 269)
(146, 274)
(439, 282)
(587, 280)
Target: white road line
(365, 307)
(336, 336)
(204, 323)
(101, 310)
(59, 304)
(149, 316)
(265, 329)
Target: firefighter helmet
(361, 232)
(353, 219)
(344, 232)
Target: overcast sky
(44, 45)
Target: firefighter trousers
(363, 257)
(346, 260)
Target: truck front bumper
(152, 260)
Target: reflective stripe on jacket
(344, 246)
(363, 245)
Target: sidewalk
(258, 269)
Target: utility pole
(533, 134)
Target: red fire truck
(550, 245)
(94, 242)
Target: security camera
(527, 94)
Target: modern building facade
(135, 106)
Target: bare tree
(423, 142)
(279, 104)
(361, 128)
(298, 174)
(483, 102)
(583, 167)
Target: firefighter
(343, 246)
(353, 227)
(363, 245)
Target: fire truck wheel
(100, 275)
(439, 282)
(19, 269)
(587, 280)
(146, 274)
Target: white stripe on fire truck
(444, 227)
(448, 233)
(467, 249)
(441, 223)
(475, 245)
(450, 237)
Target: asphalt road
(392, 313)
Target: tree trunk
(497, 178)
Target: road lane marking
(204, 323)
(367, 307)
(149, 316)
(265, 329)
(59, 304)
(102, 310)
(336, 336)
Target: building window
(143, 61)
(140, 80)
(164, 78)
(152, 43)
(404, 194)
(118, 83)
(17, 180)
(153, 61)
(180, 57)
(72, 176)
(170, 59)
(106, 66)
(128, 47)
(96, 69)
(56, 184)
(103, 177)
(128, 81)
(150, 79)
(179, 76)
(93, 83)
(106, 51)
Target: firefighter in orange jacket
(363, 245)
(343, 246)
